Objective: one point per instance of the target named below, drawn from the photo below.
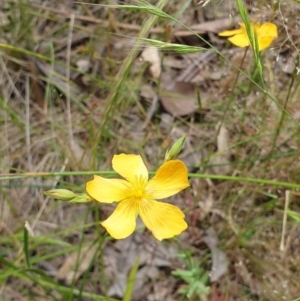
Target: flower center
(139, 186)
(139, 193)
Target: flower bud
(176, 148)
(82, 198)
(61, 194)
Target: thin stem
(113, 99)
(68, 99)
(283, 114)
(14, 176)
(233, 88)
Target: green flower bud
(176, 148)
(61, 194)
(82, 198)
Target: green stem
(283, 114)
(191, 175)
(233, 88)
(245, 179)
(113, 98)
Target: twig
(286, 207)
(27, 123)
(68, 61)
(150, 111)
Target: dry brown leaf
(83, 64)
(118, 264)
(174, 62)
(56, 79)
(163, 289)
(81, 156)
(206, 205)
(219, 24)
(179, 99)
(288, 64)
(4, 19)
(7, 293)
(222, 158)
(76, 264)
(140, 289)
(147, 92)
(166, 121)
(151, 55)
(133, 127)
(219, 259)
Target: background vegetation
(81, 82)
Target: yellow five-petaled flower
(137, 195)
(265, 33)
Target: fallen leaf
(146, 272)
(219, 259)
(163, 289)
(83, 65)
(82, 156)
(173, 62)
(133, 127)
(57, 79)
(288, 64)
(147, 92)
(166, 121)
(179, 99)
(76, 264)
(4, 19)
(79, 157)
(206, 205)
(8, 293)
(120, 258)
(222, 158)
(151, 55)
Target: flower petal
(108, 190)
(267, 30)
(264, 42)
(130, 167)
(169, 179)
(240, 40)
(123, 220)
(163, 220)
(233, 32)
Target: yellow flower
(137, 196)
(265, 33)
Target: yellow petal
(233, 32)
(240, 40)
(267, 30)
(131, 167)
(163, 220)
(264, 42)
(122, 222)
(108, 190)
(169, 179)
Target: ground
(82, 82)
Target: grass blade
(130, 281)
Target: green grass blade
(26, 248)
(130, 281)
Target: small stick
(286, 207)
(68, 62)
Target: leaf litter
(244, 262)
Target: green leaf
(26, 249)
(130, 281)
